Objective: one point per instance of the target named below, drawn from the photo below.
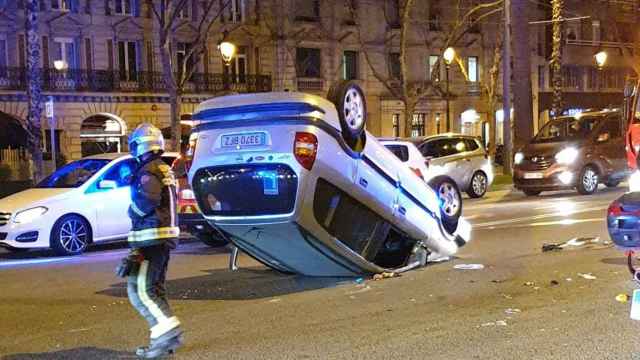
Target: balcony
(77, 80)
(310, 84)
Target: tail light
(614, 209)
(305, 149)
(191, 150)
(418, 172)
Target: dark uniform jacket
(153, 206)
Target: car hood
(547, 149)
(32, 197)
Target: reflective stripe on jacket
(153, 206)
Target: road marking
(564, 222)
(536, 217)
(31, 261)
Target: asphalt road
(525, 304)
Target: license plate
(239, 141)
(533, 175)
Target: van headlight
(567, 156)
(27, 216)
(517, 159)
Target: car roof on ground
(114, 156)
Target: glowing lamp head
(227, 50)
(60, 65)
(601, 58)
(449, 55)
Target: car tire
(612, 183)
(478, 186)
(451, 201)
(211, 239)
(531, 192)
(588, 180)
(71, 235)
(351, 105)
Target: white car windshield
(73, 174)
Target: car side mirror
(603, 137)
(107, 185)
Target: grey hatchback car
(461, 157)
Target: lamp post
(60, 65)
(601, 59)
(449, 56)
(227, 51)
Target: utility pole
(522, 93)
(506, 89)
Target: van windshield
(566, 129)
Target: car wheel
(478, 186)
(71, 235)
(351, 105)
(588, 181)
(211, 239)
(450, 201)
(531, 192)
(612, 183)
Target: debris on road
(495, 323)
(497, 281)
(623, 298)
(579, 242)
(587, 276)
(554, 282)
(359, 280)
(468, 267)
(529, 283)
(569, 279)
(511, 311)
(385, 275)
(506, 296)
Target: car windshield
(564, 129)
(73, 174)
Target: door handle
(363, 182)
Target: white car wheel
(478, 186)
(70, 235)
(351, 105)
(450, 201)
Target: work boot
(165, 345)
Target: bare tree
(166, 14)
(556, 55)
(34, 87)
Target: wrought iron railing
(72, 80)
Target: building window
(395, 120)
(433, 61)
(307, 10)
(392, 13)
(88, 54)
(395, 70)
(472, 68)
(127, 60)
(235, 11)
(572, 77)
(184, 12)
(62, 5)
(4, 58)
(417, 125)
(308, 63)
(65, 49)
(541, 78)
(237, 69)
(438, 130)
(181, 54)
(350, 65)
(123, 7)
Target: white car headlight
(517, 159)
(27, 216)
(567, 156)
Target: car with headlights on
(296, 181)
(573, 152)
(83, 202)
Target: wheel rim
(353, 109)
(73, 236)
(450, 198)
(590, 180)
(479, 184)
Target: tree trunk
(409, 109)
(556, 56)
(34, 88)
(522, 96)
(492, 127)
(175, 98)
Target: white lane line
(537, 217)
(31, 261)
(564, 222)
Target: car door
(609, 144)
(448, 154)
(475, 156)
(112, 204)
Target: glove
(128, 264)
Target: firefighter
(154, 233)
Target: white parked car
(436, 176)
(83, 202)
(303, 188)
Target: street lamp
(449, 56)
(601, 59)
(60, 65)
(227, 51)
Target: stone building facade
(111, 79)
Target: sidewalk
(501, 182)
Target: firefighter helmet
(145, 138)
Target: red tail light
(614, 209)
(305, 148)
(191, 149)
(418, 172)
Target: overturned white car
(304, 188)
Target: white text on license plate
(533, 175)
(243, 140)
